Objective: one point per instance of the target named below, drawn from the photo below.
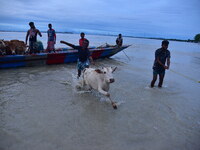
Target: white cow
(100, 79)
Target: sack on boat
(40, 46)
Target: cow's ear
(113, 69)
(98, 71)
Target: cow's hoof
(114, 106)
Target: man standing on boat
(51, 39)
(161, 55)
(81, 40)
(83, 55)
(119, 40)
(32, 34)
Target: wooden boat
(62, 55)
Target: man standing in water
(51, 39)
(83, 55)
(161, 55)
(32, 34)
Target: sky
(140, 18)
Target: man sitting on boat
(119, 40)
(83, 55)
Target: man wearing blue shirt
(83, 55)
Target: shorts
(160, 72)
(83, 65)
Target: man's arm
(158, 60)
(157, 56)
(27, 34)
(39, 33)
(69, 44)
(168, 63)
(163, 65)
(47, 34)
(54, 37)
(117, 42)
(168, 59)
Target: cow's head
(107, 72)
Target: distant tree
(197, 38)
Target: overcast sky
(148, 18)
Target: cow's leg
(108, 95)
(103, 92)
(85, 86)
(79, 73)
(113, 103)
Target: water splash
(120, 103)
(65, 82)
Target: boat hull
(60, 57)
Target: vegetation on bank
(197, 38)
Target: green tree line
(197, 38)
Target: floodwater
(41, 110)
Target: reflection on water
(40, 108)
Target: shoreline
(154, 38)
